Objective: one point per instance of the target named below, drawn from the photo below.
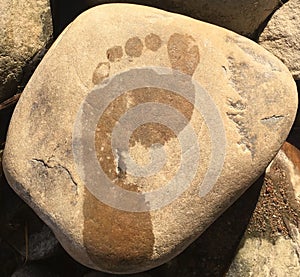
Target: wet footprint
(183, 53)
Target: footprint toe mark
(134, 47)
(101, 72)
(183, 53)
(153, 42)
(114, 54)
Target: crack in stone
(272, 119)
(47, 165)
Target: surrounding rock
(243, 17)
(259, 257)
(84, 148)
(34, 271)
(41, 245)
(25, 29)
(281, 36)
(271, 245)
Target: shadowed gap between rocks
(64, 12)
(294, 135)
(264, 24)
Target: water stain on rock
(134, 47)
(114, 54)
(146, 135)
(183, 53)
(114, 237)
(153, 42)
(182, 50)
(101, 72)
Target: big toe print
(183, 53)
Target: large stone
(85, 144)
(25, 29)
(271, 245)
(282, 36)
(243, 17)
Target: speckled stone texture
(25, 29)
(282, 36)
(271, 244)
(239, 105)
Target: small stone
(25, 29)
(129, 167)
(271, 244)
(281, 36)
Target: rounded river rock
(139, 128)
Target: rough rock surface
(282, 36)
(243, 17)
(259, 257)
(147, 82)
(25, 28)
(271, 245)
